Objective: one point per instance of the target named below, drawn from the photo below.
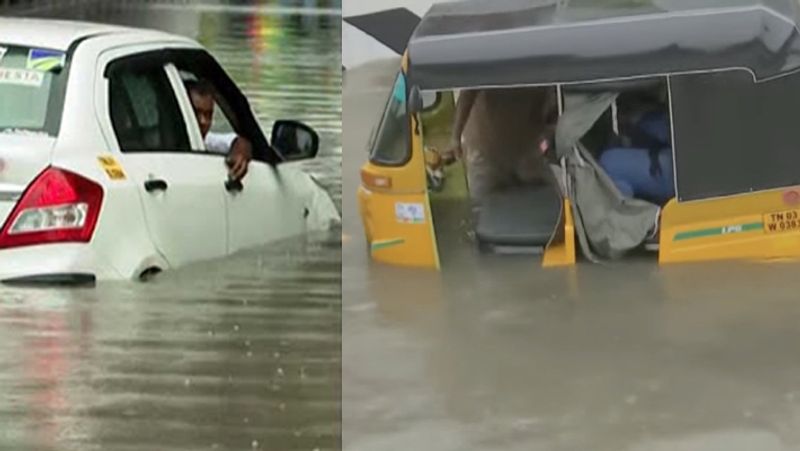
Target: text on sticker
(111, 167)
(107, 161)
(782, 221)
(21, 77)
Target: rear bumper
(54, 264)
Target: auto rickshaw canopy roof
(475, 43)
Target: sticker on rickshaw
(791, 198)
(409, 213)
(782, 221)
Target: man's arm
(466, 100)
(239, 157)
(237, 148)
(221, 143)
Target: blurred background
(242, 353)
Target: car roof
(60, 34)
(475, 43)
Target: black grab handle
(155, 185)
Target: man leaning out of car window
(238, 148)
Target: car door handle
(234, 185)
(155, 185)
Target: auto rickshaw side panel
(395, 208)
(753, 226)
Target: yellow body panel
(392, 240)
(729, 228)
(407, 179)
(560, 250)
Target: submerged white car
(104, 173)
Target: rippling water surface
(243, 353)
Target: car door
(265, 210)
(267, 205)
(182, 191)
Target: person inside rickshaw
(507, 135)
(638, 158)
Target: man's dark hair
(202, 87)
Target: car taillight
(58, 206)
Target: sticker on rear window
(112, 168)
(45, 60)
(21, 77)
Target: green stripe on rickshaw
(713, 231)
(378, 245)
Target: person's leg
(481, 178)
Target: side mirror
(294, 140)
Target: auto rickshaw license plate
(782, 221)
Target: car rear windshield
(32, 84)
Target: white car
(104, 172)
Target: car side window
(221, 122)
(229, 100)
(222, 129)
(144, 111)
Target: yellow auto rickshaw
(728, 77)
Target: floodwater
(238, 354)
(499, 354)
